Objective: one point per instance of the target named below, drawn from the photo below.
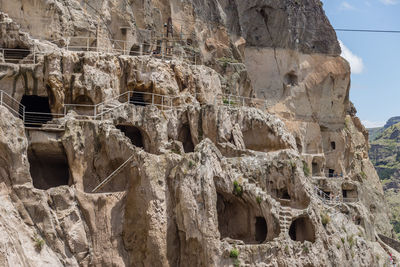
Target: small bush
(39, 242)
(338, 246)
(325, 219)
(342, 240)
(234, 253)
(363, 175)
(259, 199)
(237, 188)
(236, 262)
(286, 249)
(306, 250)
(306, 170)
(191, 164)
(350, 239)
(176, 151)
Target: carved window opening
(333, 145)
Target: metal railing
(106, 45)
(328, 199)
(99, 111)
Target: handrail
(97, 111)
(112, 175)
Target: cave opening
(37, 110)
(302, 230)
(315, 169)
(48, 169)
(333, 145)
(283, 193)
(291, 78)
(331, 173)
(15, 55)
(185, 137)
(133, 133)
(261, 229)
(135, 50)
(137, 99)
(237, 220)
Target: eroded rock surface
(284, 179)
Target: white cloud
(347, 6)
(373, 124)
(390, 2)
(356, 63)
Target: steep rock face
(203, 173)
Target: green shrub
(259, 199)
(176, 151)
(342, 240)
(237, 188)
(39, 242)
(236, 262)
(306, 170)
(286, 249)
(338, 246)
(350, 239)
(306, 250)
(234, 253)
(191, 164)
(325, 219)
(363, 175)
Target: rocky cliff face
(280, 178)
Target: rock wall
(204, 180)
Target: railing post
(162, 102)
(1, 98)
(152, 99)
(129, 97)
(34, 54)
(243, 101)
(95, 112)
(23, 114)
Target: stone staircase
(285, 219)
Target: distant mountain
(385, 155)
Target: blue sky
(374, 57)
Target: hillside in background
(385, 155)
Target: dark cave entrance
(237, 220)
(185, 137)
(315, 168)
(302, 230)
(15, 55)
(135, 50)
(37, 110)
(282, 193)
(137, 99)
(261, 229)
(133, 133)
(333, 145)
(48, 169)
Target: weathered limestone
(202, 179)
